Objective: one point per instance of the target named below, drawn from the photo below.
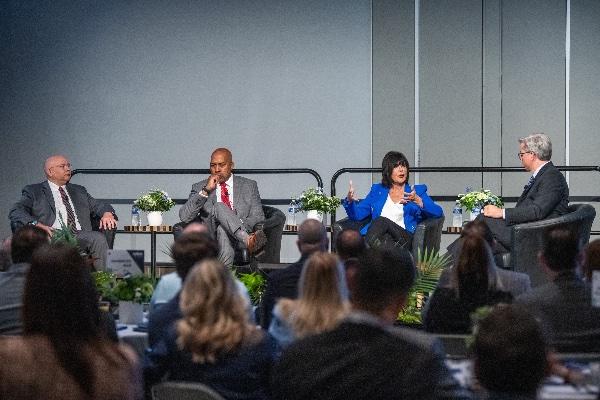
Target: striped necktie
(70, 213)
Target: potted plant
(475, 200)
(430, 265)
(316, 203)
(255, 284)
(154, 202)
(131, 292)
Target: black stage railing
(565, 168)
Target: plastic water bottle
(457, 216)
(135, 216)
(292, 210)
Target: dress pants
(95, 244)
(383, 231)
(224, 225)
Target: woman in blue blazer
(394, 207)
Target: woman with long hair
(63, 353)
(215, 343)
(473, 284)
(394, 207)
(322, 301)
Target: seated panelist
(394, 207)
(45, 204)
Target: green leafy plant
(105, 282)
(137, 289)
(315, 199)
(430, 265)
(255, 284)
(155, 200)
(479, 199)
(64, 234)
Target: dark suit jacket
(282, 283)
(363, 360)
(548, 197)
(37, 203)
(246, 201)
(162, 318)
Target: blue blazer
(372, 205)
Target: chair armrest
(427, 235)
(346, 223)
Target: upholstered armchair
(526, 240)
(427, 235)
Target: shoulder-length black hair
(390, 161)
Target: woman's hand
(350, 197)
(412, 196)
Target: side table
(152, 231)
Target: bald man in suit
(229, 205)
(45, 204)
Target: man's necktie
(70, 214)
(225, 195)
(529, 183)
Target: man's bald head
(224, 151)
(58, 169)
(312, 236)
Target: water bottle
(135, 216)
(457, 217)
(292, 210)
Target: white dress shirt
(60, 207)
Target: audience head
(195, 227)
(560, 250)
(312, 236)
(215, 317)
(58, 169)
(60, 298)
(538, 144)
(592, 259)
(25, 240)
(510, 351)
(390, 161)
(349, 244)
(479, 228)
(190, 248)
(474, 273)
(383, 281)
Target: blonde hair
(322, 297)
(215, 317)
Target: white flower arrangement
(315, 199)
(155, 200)
(478, 199)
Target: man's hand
(211, 183)
(492, 211)
(48, 229)
(108, 221)
(350, 197)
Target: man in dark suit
(229, 205)
(366, 357)
(46, 204)
(312, 237)
(546, 194)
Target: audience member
(215, 342)
(229, 205)
(12, 282)
(591, 261)
(349, 244)
(510, 354)
(473, 284)
(321, 304)
(516, 283)
(394, 207)
(565, 302)
(365, 357)
(46, 204)
(62, 353)
(186, 251)
(283, 283)
(5, 259)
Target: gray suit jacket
(246, 201)
(37, 203)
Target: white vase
(131, 313)
(314, 214)
(154, 218)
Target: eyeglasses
(62, 166)
(521, 153)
